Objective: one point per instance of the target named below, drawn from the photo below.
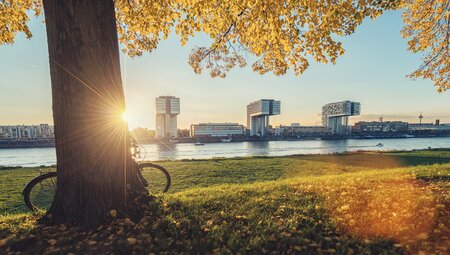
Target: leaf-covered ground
(356, 203)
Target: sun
(129, 117)
(125, 117)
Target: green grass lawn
(345, 203)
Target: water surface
(46, 156)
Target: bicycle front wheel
(39, 192)
(156, 178)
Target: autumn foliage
(427, 26)
(281, 35)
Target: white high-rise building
(335, 115)
(167, 109)
(258, 113)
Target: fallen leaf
(52, 242)
(132, 240)
(113, 213)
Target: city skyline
(377, 45)
(170, 105)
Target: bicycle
(39, 192)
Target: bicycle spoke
(156, 179)
(53, 181)
(42, 194)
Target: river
(46, 156)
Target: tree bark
(94, 166)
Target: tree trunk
(94, 165)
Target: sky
(372, 71)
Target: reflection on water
(166, 147)
(259, 148)
(46, 156)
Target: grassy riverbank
(360, 202)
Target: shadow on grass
(415, 161)
(226, 221)
(434, 178)
(379, 160)
(260, 220)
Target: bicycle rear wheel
(155, 177)
(38, 194)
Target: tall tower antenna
(420, 118)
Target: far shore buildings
(400, 127)
(217, 130)
(167, 109)
(258, 113)
(374, 127)
(27, 132)
(297, 131)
